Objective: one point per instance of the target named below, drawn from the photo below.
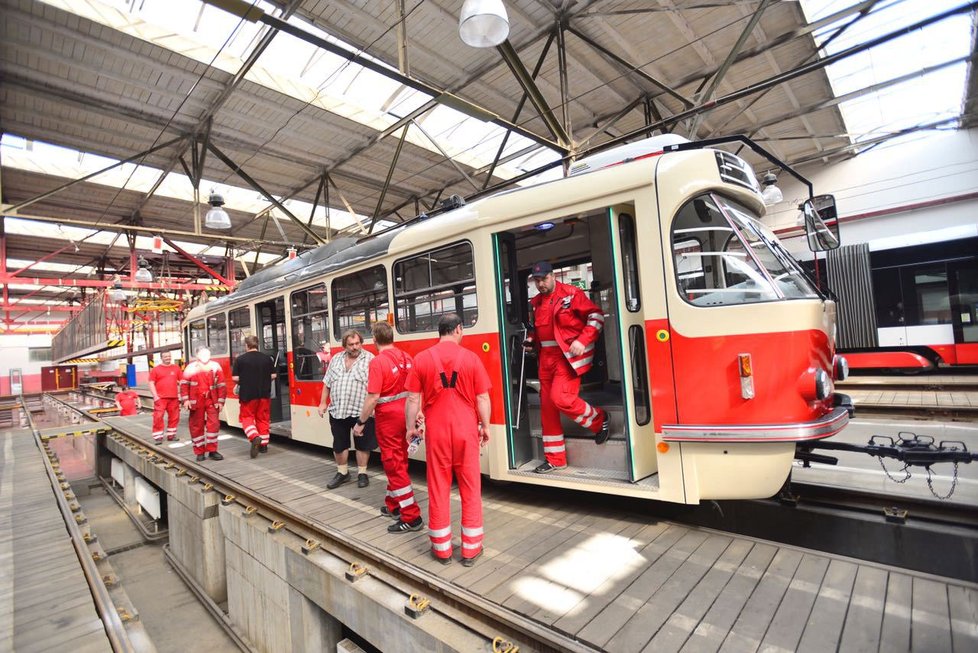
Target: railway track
(904, 532)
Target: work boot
(263, 448)
(387, 512)
(338, 480)
(468, 562)
(255, 447)
(401, 526)
(605, 431)
(363, 480)
(215, 456)
(200, 457)
(546, 468)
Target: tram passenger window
(310, 328)
(239, 325)
(217, 334)
(629, 262)
(434, 283)
(359, 300)
(198, 337)
(640, 374)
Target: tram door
(596, 251)
(271, 328)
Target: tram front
(751, 337)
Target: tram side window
(359, 300)
(629, 262)
(217, 334)
(239, 324)
(198, 337)
(310, 328)
(434, 283)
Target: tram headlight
(841, 368)
(823, 385)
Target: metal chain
(890, 476)
(954, 483)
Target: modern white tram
(718, 351)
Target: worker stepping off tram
(566, 327)
(254, 371)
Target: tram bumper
(844, 401)
(748, 461)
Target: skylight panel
(920, 101)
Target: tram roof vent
(626, 153)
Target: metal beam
(630, 67)
(564, 82)
(529, 86)
(254, 184)
(454, 163)
(200, 264)
(387, 182)
(610, 122)
(12, 209)
(721, 72)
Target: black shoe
(468, 562)
(405, 526)
(263, 448)
(173, 438)
(200, 457)
(338, 480)
(255, 446)
(546, 468)
(605, 431)
(363, 480)
(215, 456)
(444, 561)
(395, 514)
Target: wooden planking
(623, 583)
(45, 601)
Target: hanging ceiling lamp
(217, 217)
(143, 274)
(771, 193)
(483, 23)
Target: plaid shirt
(347, 387)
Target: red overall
(450, 377)
(560, 318)
(166, 380)
(255, 416)
(129, 401)
(203, 385)
(388, 372)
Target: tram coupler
(912, 449)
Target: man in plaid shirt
(344, 390)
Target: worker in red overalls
(566, 326)
(127, 401)
(202, 392)
(164, 382)
(386, 397)
(456, 387)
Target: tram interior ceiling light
(771, 193)
(217, 217)
(483, 23)
(143, 274)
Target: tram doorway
(270, 317)
(593, 251)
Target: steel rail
(403, 577)
(114, 628)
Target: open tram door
(270, 318)
(596, 251)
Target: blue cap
(541, 269)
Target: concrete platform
(609, 578)
(45, 601)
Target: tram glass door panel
(270, 317)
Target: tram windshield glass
(724, 255)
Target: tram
(717, 355)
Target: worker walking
(566, 326)
(203, 392)
(254, 372)
(455, 387)
(386, 398)
(127, 401)
(164, 383)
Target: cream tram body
(716, 357)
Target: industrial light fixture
(217, 217)
(143, 274)
(483, 23)
(116, 293)
(771, 193)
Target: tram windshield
(725, 255)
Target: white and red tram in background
(717, 356)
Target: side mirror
(821, 223)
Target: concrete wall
(899, 190)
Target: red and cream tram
(717, 354)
